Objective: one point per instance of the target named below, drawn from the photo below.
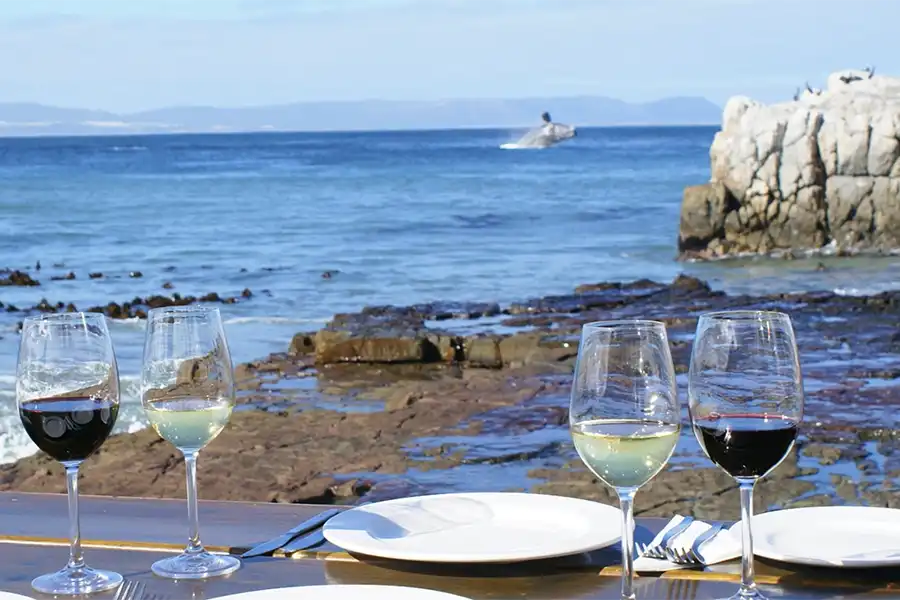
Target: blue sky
(134, 54)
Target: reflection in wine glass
(67, 392)
(624, 414)
(746, 404)
(187, 389)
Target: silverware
(658, 550)
(306, 542)
(691, 556)
(130, 590)
(281, 540)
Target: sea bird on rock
(850, 78)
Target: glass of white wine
(624, 414)
(187, 389)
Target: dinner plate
(476, 528)
(343, 592)
(832, 536)
(11, 596)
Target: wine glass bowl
(187, 390)
(67, 393)
(624, 414)
(745, 403)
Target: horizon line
(356, 101)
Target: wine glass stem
(190, 463)
(748, 585)
(76, 557)
(626, 501)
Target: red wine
(69, 428)
(746, 445)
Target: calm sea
(402, 217)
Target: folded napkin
(723, 547)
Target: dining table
(128, 534)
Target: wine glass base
(76, 582)
(753, 594)
(201, 565)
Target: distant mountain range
(23, 119)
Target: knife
(305, 542)
(281, 540)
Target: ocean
(399, 217)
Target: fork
(691, 556)
(658, 550)
(130, 590)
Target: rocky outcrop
(394, 335)
(17, 278)
(820, 171)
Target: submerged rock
(18, 278)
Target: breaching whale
(546, 135)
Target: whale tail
(545, 117)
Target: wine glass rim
(745, 315)
(625, 323)
(65, 317)
(187, 309)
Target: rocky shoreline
(393, 401)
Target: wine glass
(624, 414)
(746, 403)
(187, 389)
(67, 392)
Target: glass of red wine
(67, 391)
(746, 404)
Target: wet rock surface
(393, 401)
(135, 308)
(17, 278)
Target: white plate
(478, 527)
(11, 596)
(343, 592)
(832, 536)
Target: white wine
(625, 453)
(189, 423)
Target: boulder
(17, 278)
(382, 338)
(821, 170)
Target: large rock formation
(819, 171)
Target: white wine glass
(187, 389)
(624, 414)
(67, 391)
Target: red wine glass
(746, 403)
(67, 391)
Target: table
(128, 534)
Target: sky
(130, 55)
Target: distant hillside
(37, 119)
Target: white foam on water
(129, 323)
(851, 291)
(272, 320)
